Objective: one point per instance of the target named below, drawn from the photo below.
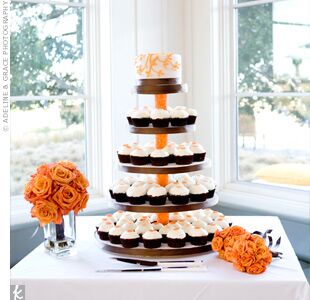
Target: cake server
(163, 269)
(167, 263)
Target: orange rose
(80, 182)
(222, 254)
(236, 230)
(256, 268)
(68, 164)
(28, 194)
(82, 203)
(239, 267)
(246, 259)
(229, 254)
(46, 212)
(44, 169)
(217, 243)
(67, 198)
(61, 174)
(42, 186)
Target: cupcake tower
(160, 74)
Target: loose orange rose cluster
(55, 190)
(248, 252)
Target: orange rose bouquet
(248, 252)
(55, 190)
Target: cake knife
(164, 269)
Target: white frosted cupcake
(160, 117)
(103, 230)
(143, 227)
(152, 239)
(222, 222)
(139, 157)
(149, 147)
(159, 157)
(157, 195)
(129, 239)
(198, 236)
(130, 225)
(176, 238)
(211, 229)
(123, 153)
(157, 226)
(164, 231)
(179, 117)
(119, 192)
(183, 155)
(118, 214)
(192, 116)
(198, 192)
(178, 194)
(198, 150)
(115, 234)
(136, 195)
(170, 148)
(140, 118)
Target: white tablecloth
(75, 277)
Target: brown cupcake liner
(210, 194)
(178, 121)
(176, 243)
(159, 161)
(124, 158)
(139, 160)
(199, 156)
(155, 243)
(184, 160)
(175, 199)
(114, 239)
(198, 240)
(130, 243)
(137, 200)
(160, 122)
(198, 197)
(191, 120)
(160, 200)
(103, 235)
(120, 197)
(141, 122)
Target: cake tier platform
(163, 130)
(157, 89)
(169, 169)
(164, 250)
(168, 207)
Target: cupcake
(118, 214)
(176, 238)
(179, 117)
(206, 219)
(119, 192)
(198, 192)
(129, 239)
(178, 194)
(123, 220)
(209, 183)
(192, 116)
(115, 233)
(103, 230)
(164, 231)
(110, 218)
(222, 222)
(183, 156)
(139, 157)
(149, 148)
(207, 212)
(123, 153)
(198, 151)
(170, 148)
(177, 216)
(157, 195)
(130, 225)
(136, 195)
(198, 236)
(174, 224)
(199, 223)
(186, 226)
(152, 239)
(185, 179)
(140, 118)
(216, 214)
(211, 229)
(160, 117)
(170, 185)
(143, 227)
(128, 115)
(159, 157)
(129, 179)
(190, 218)
(157, 226)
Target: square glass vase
(59, 239)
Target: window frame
(293, 204)
(97, 65)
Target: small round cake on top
(176, 238)
(160, 117)
(129, 239)
(152, 239)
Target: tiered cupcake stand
(160, 88)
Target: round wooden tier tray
(160, 89)
(164, 130)
(164, 250)
(169, 169)
(168, 207)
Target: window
(58, 100)
(272, 92)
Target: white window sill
(21, 217)
(291, 205)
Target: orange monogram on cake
(55, 190)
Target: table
(75, 277)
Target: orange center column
(161, 142)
